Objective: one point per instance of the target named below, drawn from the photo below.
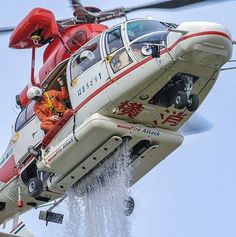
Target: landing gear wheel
(129, 206)
(35, 187)
(181, 100)
(193, 103)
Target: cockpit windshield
(138, 28)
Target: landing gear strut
(186, 98)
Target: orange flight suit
(51, 105)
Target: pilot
(48, 105)
(138, 53)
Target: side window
(20, 121)
(25, 115)
(137, 50)
(120, 60)
(113, 40)
(89, 55)
(80, 37)
(30, 110)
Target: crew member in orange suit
(48, 106)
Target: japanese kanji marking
(172, 119)
(132, 109)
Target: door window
(113, 40)
(117, 54)
(120, 60)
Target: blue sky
(192, 193)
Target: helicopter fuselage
(139, 81)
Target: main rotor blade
(92, 14)
(170, 4)
(5, 30)
(82, 12)
(75, 4)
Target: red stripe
(124, 126)
(17, 226)
(104, 86)
(122, 74)
(131, 68)
(8, 170)
(218, 33)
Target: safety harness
(48, 101)
(50, 105)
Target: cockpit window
(136, 29)
(113, 40)
(87, 57)
(155, 38)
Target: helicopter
(148, 112)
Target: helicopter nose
(204, 43)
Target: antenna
(13, 109)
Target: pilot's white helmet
(88, 54)
(33, 92)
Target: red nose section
(38, 26)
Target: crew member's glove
(54, 118)
(61, 81)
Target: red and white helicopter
(141, 79)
